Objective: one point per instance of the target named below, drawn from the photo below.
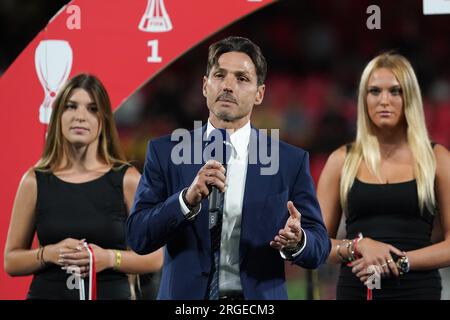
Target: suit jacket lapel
(256, 189)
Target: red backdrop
(125, 43)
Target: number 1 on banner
(153, 44)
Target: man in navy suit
(266, 217)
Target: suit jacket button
(205, 274)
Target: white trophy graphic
(53, 59)
(155, 18)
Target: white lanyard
(92, 277)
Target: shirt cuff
(290, 256)
(189, 214)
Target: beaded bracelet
(348, 242)
(352, 251)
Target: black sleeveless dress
(93, 210)
(389, 213)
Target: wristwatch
(403, 265)
(289, 252)
(183, 195)
(193, 210)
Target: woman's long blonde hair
(366, 147)
(56, 146)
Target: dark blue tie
(215, 220)
(216, 235)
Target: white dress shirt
(229, 277)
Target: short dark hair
(238, 44)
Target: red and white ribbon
(92, 276)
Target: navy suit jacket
(156, 220)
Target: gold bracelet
(118, 259)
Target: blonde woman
(392, 183)
(81, 190)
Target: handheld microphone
(219, 144)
